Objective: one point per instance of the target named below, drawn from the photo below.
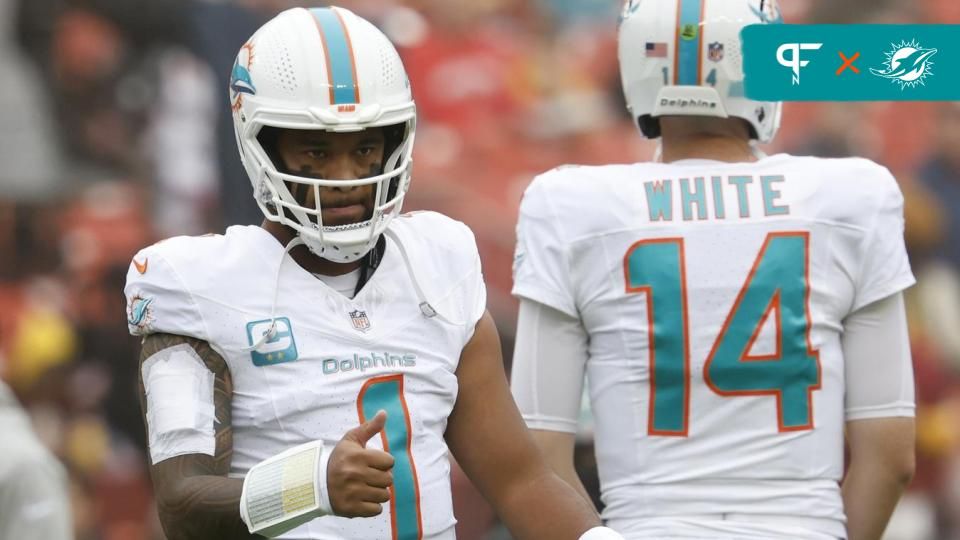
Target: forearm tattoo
(195, 499)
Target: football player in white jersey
(735, 314)
(318, 367)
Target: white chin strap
(426, 309)
(272, 330)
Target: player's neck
(304, 257)
(697, 137)
(707, 146)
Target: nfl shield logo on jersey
(715, 52)
(360, 320)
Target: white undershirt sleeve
(878, 366)
(549, 358)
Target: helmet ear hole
(649, 126)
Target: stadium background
(114, 133)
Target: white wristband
(601, 533)
(285, 491)
(325, 506)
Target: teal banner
(865, 62)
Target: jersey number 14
(777, 285)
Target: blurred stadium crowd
(116, 132)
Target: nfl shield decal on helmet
(360, 320)
(715, 51)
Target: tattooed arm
(195, 498)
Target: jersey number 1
(776, 286)
(386, 393)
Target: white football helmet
(323, 69)
(683, 57)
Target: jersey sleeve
(474, 288)
(541, 269)
(445, 250)
(158, 300)
(885, 268)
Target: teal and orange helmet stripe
(688, 57)
(338, 50)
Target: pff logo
(794, 62)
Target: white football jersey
(713, 295)
(334, 362)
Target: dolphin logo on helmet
(240, 81)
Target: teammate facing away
(735, 314)
(320, 366)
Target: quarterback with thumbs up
(309, 378)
